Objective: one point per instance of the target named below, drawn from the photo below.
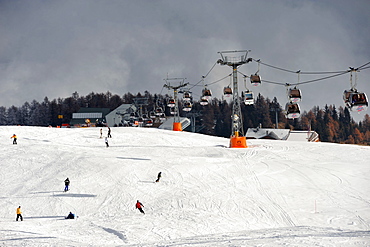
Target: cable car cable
(210, 82)
(204, 76)
(305, 82)
(210, 70)
(291, 71)
(361, 67)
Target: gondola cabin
(187, 106)
(149, 123)
(355, 101)
(247, 97)
(158, 111)
(255, 80)
(295, 95)
(228, 91)
(203, 101)
(346, 98)
(152, 115)
(206, 93)
(292, 110)
(162, 116)
(171, 102)
(186, 96)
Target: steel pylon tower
(239, 58)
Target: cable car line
(365, 68)
(291, 71)
(218, 80)
(196, 84)
(361, 67)
(223, 78)
(320, 79)
(337, 73)
(210, 70)
(304, 82)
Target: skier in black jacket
(159, 176)
(66, 183)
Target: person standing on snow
(106, 141)
(14, 138)
(70, 216)
(109, 135)
(101, 133)
(159, 176)
(66, 183)
(139, 206)
(19, 214)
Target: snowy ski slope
(273, 193)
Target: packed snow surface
(272, 193)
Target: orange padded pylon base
(238, 142)
(177, 127)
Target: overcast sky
(54, 48)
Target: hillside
(270, 194)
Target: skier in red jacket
(139, 206)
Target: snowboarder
(106, 141)
(19, 214)
(139, 206)
(70, 216)
(66, 183)
(14, 138)
(109, 135)
(101, 133)
(159, 177)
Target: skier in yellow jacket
(19, 214)
(14, 139)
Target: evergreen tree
(25, 114)
(358, 136)
(222, 112)
(13, 116)
(263, 111)
(3, 116)
(208, 119)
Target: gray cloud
(53, 48)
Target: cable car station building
(89, 117)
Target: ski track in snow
(271, 194)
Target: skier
(159, 176)
(70, 216)
(66, 183)
(19, 214)
(14, 138)
(139, 206)
(109, 135)
(106, 141)
(101, 133)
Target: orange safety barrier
(238, 142)
(177, 127)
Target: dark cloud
(54, 48)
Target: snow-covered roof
(302, 135)
(263, 133)
(282, 134)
